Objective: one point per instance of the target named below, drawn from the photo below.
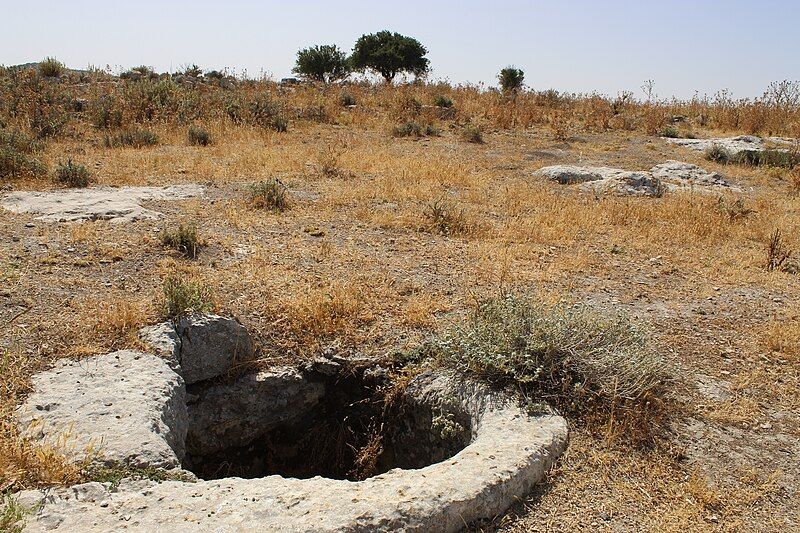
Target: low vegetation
(571, 355)
(198, 136)
(17, 158)
(183, 296)
(183, 239)
(269, 194)
(131, 138)
(71, 174)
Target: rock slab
(124, 407)
(117, 204)
(734, 145)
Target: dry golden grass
(348, 267)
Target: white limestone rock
(734, 145)
(117, 204)
(679, 175)
(124, 407)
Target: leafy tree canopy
(389, 54)
(324, 63)
(511, 79)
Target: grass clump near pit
(71, 174)
(183, 239)
(445, 218)
(269, 194)
(185, 296)
(582, 361)
(12, 514)
(132, 138)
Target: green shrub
(50, 67)
(183, 239)
(718, 154)
(444, 218)
(198, 136)
(182, 297)
(347, 99)
(511, 79)
(443, 101)
(670, 132)
(407, 129)
(72, 174)
(136, 138)
(269, 194)
(472, 134)
(570, 354)
(432, 131)
(324, 63)
(16, 156)
(12, 514)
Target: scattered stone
(117, 204)
(210, 346)
(125, 407)
(679, 175)
(605, 179)
(229, 415)
(669, 176)
(625, 183)
(164, 341)
(734, 145)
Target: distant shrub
(407, 129)
(325, 63)
(267, 113)
(432, 131)
(472, 134)
(16, 155)
(183, 239)
(72, 174)
(198, 136)
(138, 73)
(444, 218)
(269, 194)
(347, 99)
(50, 67)
(442, 101)
(718, 154)
(670, 132)
(573, 355)
(105, 113)
(182, 297)
(511, 79)
(135, 138)
(768, 158)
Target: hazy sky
(570, 45)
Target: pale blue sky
(572, 45)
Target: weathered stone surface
(117, 204)
(127, 407)
(568, 174)
(510, 451)
(211, 345)
(605, 179)
(163, 340)
(627, 183)
(679, 175)
(734, 145)
(228, 415)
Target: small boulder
(568, 174)
(211, 345)
(626, 183)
